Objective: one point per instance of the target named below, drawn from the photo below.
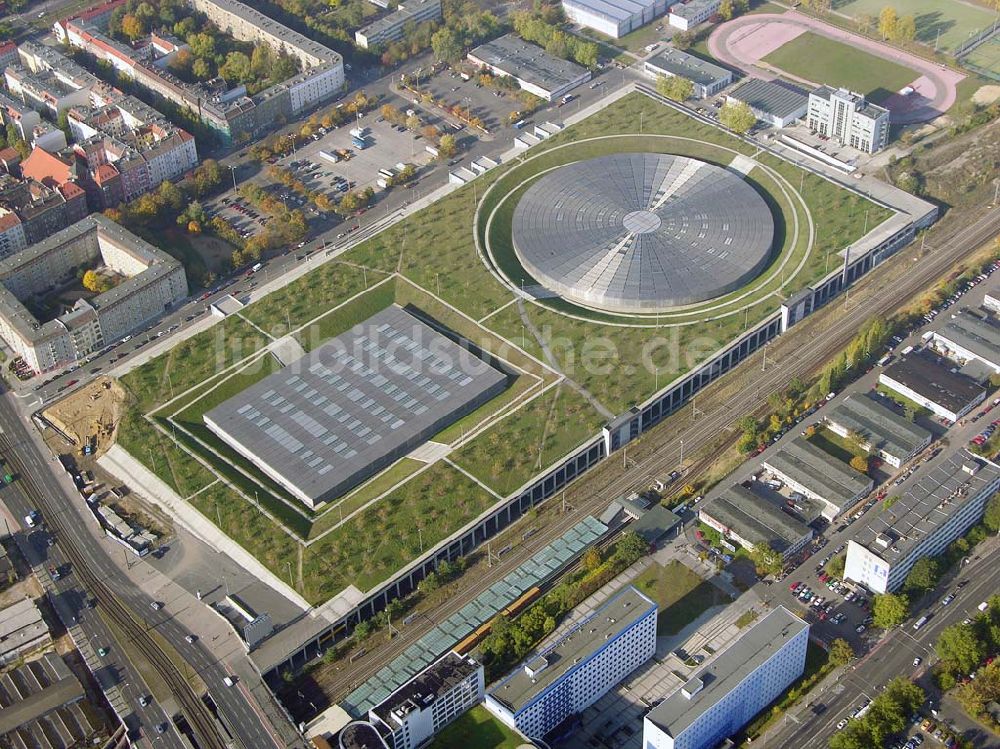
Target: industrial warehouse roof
(832, 479)
(528, 62)
(778, 99)
(540, 567)
(592, 634)
(434, 681)
(933, 379)
(974, 334)
(929, 502)
(755, 519)
(642, 231)
(355, 404)
(615, 10)
(680, 63)
(755, 646)
(880, 426)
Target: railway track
(947, 249)
(197, 713)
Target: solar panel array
(642, 231)
(359, 401)
(484, 607)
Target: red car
(794, 586)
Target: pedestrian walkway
(130, 471)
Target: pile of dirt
(91, 413)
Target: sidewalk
(130, 471)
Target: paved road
(893, 656)
(115, 674)
(241, 714)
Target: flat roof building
(22, 630)
(991, 301)
(576, 671)
(390, 28)
(153, 281)
(817, 474)
(967, 337)
(725, 695)
(616, 18)
(848, 118)
(534, 69)
(777, 103)
(881, 430)
(708, 78)
(429, 701)
(685, 16)
(354, 405)
(935, 510)
(929, 382)
(749, 519)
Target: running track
(742, 42)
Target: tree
(890, 609)
(923, 575)
(262, 61)
(91, 281)
(991, 517)
(630, 547)
(236, 67)
(906, 29)
(766, 561)
(682, 40)
(841, 653)
(413, 122)
(887, 20)
(132, 26)
(865, 23)
(446, 45)
(959, 648)
(835, 567)
(737, 116)
(726, 10)
(592, 559)
(447, 146)
(194, 227)
(859, 464)
(201, 69)
(674, 87)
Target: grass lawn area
(477, 729)
(681, 594)
(835, 445)
(986, 56)
(952, 19)
(819, 59)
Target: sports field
(986, 56)
(819, 59)
(945, 22)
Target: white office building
(616, 18)
(580, 668)
(685, 16)
(848, 118)
(941, 506)
(726, 695)
(432, 699)
(968, 338)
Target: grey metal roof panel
(642, 231)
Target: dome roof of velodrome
(636, 232)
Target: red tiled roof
(71, 190)
(105, 173)
(7, 220)
(46, 168)
(9, 154)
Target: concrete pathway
(130, 471)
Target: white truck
(32, 519)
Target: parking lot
(491, 105)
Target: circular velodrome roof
(636, 232)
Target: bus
(519, 124)
(920, 622)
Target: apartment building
(740, 682)
(230, 112)
(153, 283)
(941, 506)
(18, 115)
(848, 118)
(390, 28)
(576, 671)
